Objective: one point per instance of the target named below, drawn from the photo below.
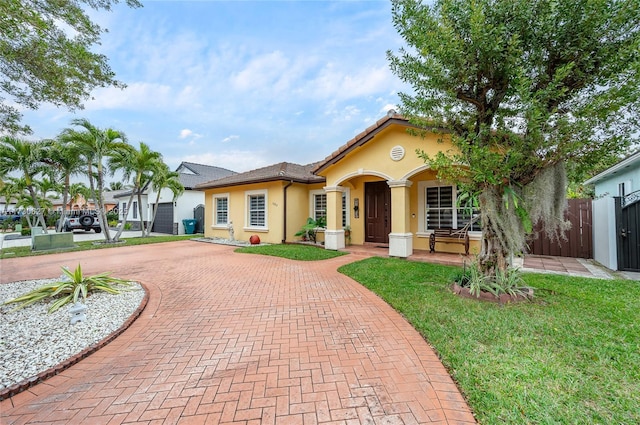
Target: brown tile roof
(391, 118)
(284, 171)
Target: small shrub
(70, 289)
(309, 231)
(508, 282)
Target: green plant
(70, 289)
(26, 231)
(505, 282)
(510, 282)
(310, 229)
(347, 234)
(127, 226)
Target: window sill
(256, 229)
(220, 226)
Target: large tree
(95, 146)
(523, 89)
(25, 158)
(164, 178)
(45, 56)
(137, 165)
(65, 160)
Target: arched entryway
(377, 212)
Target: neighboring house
(616, 215)
(171, 212)
(79, 202)
(375, 184)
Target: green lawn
(25, 251)
(572, 356)
(292, 251)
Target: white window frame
(135, 210)
(346, 194)
(247, 223)
(347, 210)
(216, 224)
(422, 210)
(312, 202)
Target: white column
(334, 234)
(400, 238)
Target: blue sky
(241, 84)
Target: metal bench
(460, 236)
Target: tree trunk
(493, 255)
(153, 216)
(65, 196)
(116, 238)
(36, 204)
(102, 212)
(140, 211)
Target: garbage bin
(189, 226)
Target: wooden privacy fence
(579, 239)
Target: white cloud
(262, 71)
(185, 133)
(230, 138)
(235, 160)
(341, 84)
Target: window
(124, 210)
(257, 209)
(319, 206)
(135, 209)
(441, 209)
(221, 208)
(345, 214)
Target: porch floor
(536, 263)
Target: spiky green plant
(70, 289)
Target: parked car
(10, 215)
(81, 219)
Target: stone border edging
(55, 370)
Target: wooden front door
(377, 206)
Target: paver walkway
(243, 339)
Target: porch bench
(460, 236)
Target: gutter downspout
(284, 230)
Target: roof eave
(627, 162)
(205, 186)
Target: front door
(377, 206)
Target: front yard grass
(25, 251)
(572, 356)
(292, 251)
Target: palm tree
(164, 178)
(95, 145)
(115, 186)
(65, 159)
(76, 190)
(137, 165)
(25, 158)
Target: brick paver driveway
(246, 339)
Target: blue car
(10, 215)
